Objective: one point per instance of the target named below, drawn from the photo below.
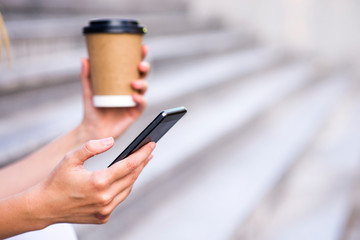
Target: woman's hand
(73, 194)
(103, 122)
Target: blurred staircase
(260, 124)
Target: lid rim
(114, 25)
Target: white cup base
(113, 101)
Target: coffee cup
(114, 48)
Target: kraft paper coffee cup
(114, 48)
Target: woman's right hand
(104, 122)
(75, 195)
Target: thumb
(85, 73)
(90, 149)
(85, 78)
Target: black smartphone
(154, 131)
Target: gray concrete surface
(268, 149)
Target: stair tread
(257, 93)
(322, 177)
(52, 113)
(194, 204)
(65, 64)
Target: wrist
(86, 131)
(37, 207)
(82, 134)
(22, 213)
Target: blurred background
(270, 147)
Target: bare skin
(73, 194)
(46, 187)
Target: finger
(102, 215)
(101, 218)
(119, 198)
(140, 102)
(144, 51)
(131, 163)
(120, 184)
(140, 85)
(144, 69)
(90, 149)
(119, 192)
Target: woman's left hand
(105, 122)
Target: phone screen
(154, 131)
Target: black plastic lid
(114, 25)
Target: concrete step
(326, 222)
(62, 66)
(352, 225)
(88, 6)
(49, 34)
(314, 199)
(212, 200)
(200, 166)
(27, 127)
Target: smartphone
(154, 131)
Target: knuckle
(68, 156)
(101, 219)
(131, 165)
(105, 212)
(88, 147)
(99, 182)
(104, 199)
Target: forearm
(18, 215)
(35, 167)
(71, 193)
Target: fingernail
(107, 141)
(144, 65)
(136, 84)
